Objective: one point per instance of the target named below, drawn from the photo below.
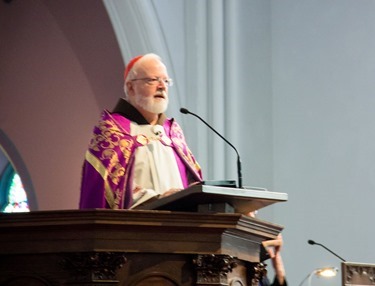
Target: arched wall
(60, 66)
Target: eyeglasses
(156, 80)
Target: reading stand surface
(240, 200)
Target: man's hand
(170, 192)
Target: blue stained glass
(17, 198)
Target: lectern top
(242, 200)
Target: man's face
(147, 91)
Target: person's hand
(170, 192)
(252, 214)
(273, 248)
(194, 183)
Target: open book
(144, 195)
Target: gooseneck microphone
(313, 242)
(239, 172)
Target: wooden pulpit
(133, 247)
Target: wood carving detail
(213, 269)
(93, 266)
(257, 272)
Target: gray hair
(135, 69)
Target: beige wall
(60, 65)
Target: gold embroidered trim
(98, 166)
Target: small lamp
(321, 272)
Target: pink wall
(60, 65)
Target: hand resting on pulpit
(273, 248)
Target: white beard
(151, 104)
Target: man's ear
(128, 88)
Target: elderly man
(136, 152)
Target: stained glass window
(14, 198)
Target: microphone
(157, 130)
(239, 172)
(313, 242)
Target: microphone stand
(312, 242)
(239, 171)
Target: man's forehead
(152, 66)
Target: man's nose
(162, 85)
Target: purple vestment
(108, 167)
